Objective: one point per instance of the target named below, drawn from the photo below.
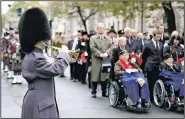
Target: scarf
(125, 65)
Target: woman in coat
(174, 48)
(133, 79)
(40, 99)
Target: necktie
(129, 41)
(157, 47)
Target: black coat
(171, 50)
(115, 58)
(164, 67)
(151, 56)
(141, 46)
(115, 54)
(82, 46)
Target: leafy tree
(3, 20)
(25, 5)
(131, 9)
(72, 9)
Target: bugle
(54, 51)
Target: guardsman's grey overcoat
(40, 99)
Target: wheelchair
(117, 96)
(160, 95)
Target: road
(74, 101)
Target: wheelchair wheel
(167, 105)
(159, 93)
(114, 94)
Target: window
(118, 26)
(165, 23)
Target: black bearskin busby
(33, 27)
(84, 33)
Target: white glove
(105, 54)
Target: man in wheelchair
(173, 77)
(135, 84)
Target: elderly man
(101, 47)
(131, 43)
(134, 34)
(122, 41)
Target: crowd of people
(12, 55)
(102, 56)
(100, 52)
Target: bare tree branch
(93, 12)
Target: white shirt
(75, 43)
(155, 43)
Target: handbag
(106, 65)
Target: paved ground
(74, 101)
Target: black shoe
(104, 95)
(74, 80)
(62, 76)
(84, 82)
(93, 95)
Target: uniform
(37, 68)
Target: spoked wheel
(167, 105)
(159, 93)
(114, 94)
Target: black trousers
(152, 77)
(83, 72)
(103, 87)
(74, 70)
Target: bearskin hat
(84, 33)
(33, 27)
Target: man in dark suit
(131, 43)
(73, 45)
(122, 41)
(160, 29)
(152, 56)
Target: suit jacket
(70, 45)
(134, 46)
(142, 45)
(151, 56)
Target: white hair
(174, 33)
(127, 29)
(134, 31)
(100, 24)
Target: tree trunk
(81, 17)
(169, 13)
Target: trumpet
(54, 51)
